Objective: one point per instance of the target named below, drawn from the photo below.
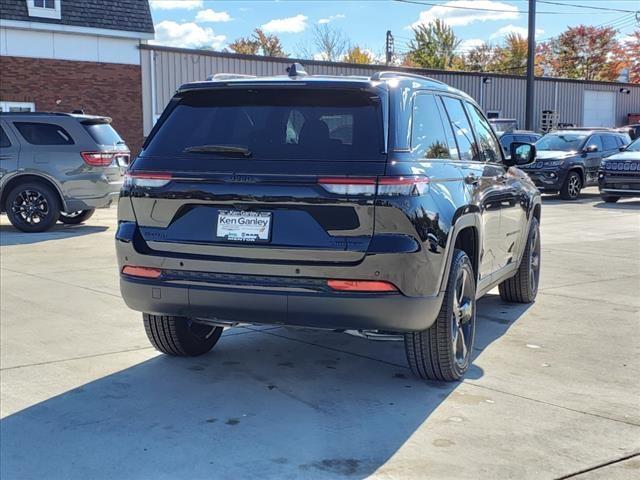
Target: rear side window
(4, 139)
(274, 124)
(428, 137)
(609, 142)
(43, 133)
(103, 133)
(462, 129)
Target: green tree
(433, 46)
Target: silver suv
(58, 166)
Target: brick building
(64, 55)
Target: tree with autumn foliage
(259, 43)
(358, 55)
(583, 52)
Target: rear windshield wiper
(222, 149)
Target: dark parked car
(620, 174)
(381, 205)
(58, 166)
(521, 136)
(568, 160)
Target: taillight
(361, 286)
(409, 185)
(142, 272)
(98, 159)
(141, 179)
(349, 185)
(384, 186)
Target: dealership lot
(554, 389)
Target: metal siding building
(166, 68)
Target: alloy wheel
(462, 317)
(30, 206)
(71, 214)
(534, 261)
(574, 186)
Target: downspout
(153, 88)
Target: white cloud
(286, 25)
(175, 4)
(331, 18)
(462, 16)
(470, 44)
(212, 16)
(187, 35)
(507, 29)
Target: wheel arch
(30, 177)
(465, 235)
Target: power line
(562, 4)
(479, 9)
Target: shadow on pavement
(266, 403)
(622, 204)
(11, 236)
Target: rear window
(103, 134)
(283, 124)
(43, 133)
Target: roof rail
(60, 114)
(394, 74)
(228, 76)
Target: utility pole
(389, 47)
(531, 58)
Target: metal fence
(166, 68)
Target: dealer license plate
(243, 226)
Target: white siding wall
(68, 46)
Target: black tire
(431, 353)
(609, 198)
(523, 286)
(32, 207)
(180, 336)
(571, 187)
(75, 218)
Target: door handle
(501, 178)
(471, 179)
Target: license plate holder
(244, 226)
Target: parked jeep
(379, 205)
(568, 160)
(58, 166)
(620, 174)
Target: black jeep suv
(568, 160)
(620, 174)
(377, 205)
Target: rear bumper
(106, 194)
(388, 312)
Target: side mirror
(590, 149)
(521, 154)
(622, 149)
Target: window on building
(17, 107)
(43, 133)
(44, 8)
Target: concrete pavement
(554, 389)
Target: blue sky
(215, 23)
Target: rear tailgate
(281, 196)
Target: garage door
(599, 109)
